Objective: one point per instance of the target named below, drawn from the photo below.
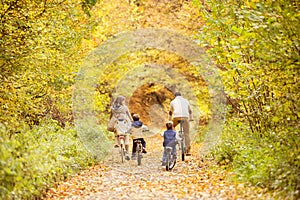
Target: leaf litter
(194, 178)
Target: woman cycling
(120, 120)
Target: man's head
(177, 94)
(169, 125)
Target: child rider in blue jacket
(137, 129)
(169, 140)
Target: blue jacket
(169, 138)
(137, 124)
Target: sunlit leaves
(25, 173)
(42, 52)
(257, 43)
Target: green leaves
(256, 44)
(256, 47)
(24, 172)
(42, 53)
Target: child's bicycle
(139, 147)
(139, 151)
(170, 158)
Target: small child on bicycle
(169, 140)
(137, 129)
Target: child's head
(169, 125)
(135, 117)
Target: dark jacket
(169, 138)
(137, 124)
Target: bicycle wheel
(182, 150)
(139, 155)
(122, 153)
(172, 162)
(182, 142)
(168, 157)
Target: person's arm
(111, 114)
(171, 111)
(145, 128)
(190, 113)
(129, 115)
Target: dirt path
(191, 179)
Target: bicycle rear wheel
(182, 142)
(139, 155)
(122, 153)
(168, 157)
(172, 162)
(182, 150)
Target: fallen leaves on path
(193, 178)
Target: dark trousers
(134, 144)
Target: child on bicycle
(137, 129)
(169, 140)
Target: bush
(33, 160)
(269, 160)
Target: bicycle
(121, 127)
(123, 151)
(139, 151)
(181, 140)
(170, 158)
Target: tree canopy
(43, 44)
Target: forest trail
(193, 178)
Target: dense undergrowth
(39, 157)
(268, 161)
(257, 46)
